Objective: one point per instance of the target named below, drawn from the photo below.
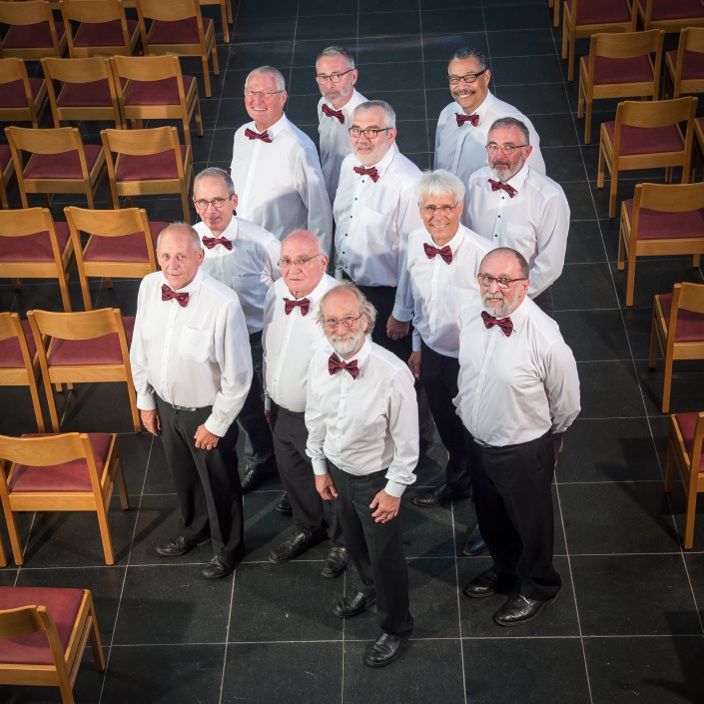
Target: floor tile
(594, 334)
(608, 390)
(584, 286)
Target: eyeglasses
(267, 95)
(502, 282)
(432, 209)
(333, 77)
(356, 133)
(202, 204)
(507, 149)
(301, 263)
(333, 323)
(467, 78)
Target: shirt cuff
(404, 315)
(395, 488)
(320, 466)
(146, 402)
(415, 341)
(216, 428)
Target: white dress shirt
(534, 222)
(462, 150)
(289, 342)
(438, 291)
(249, 268)
(515, 389)
(194, 356)
(335, 143)
(373, 221)
(280, 185)
(366, 424)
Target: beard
(347, 344)
(497, 305)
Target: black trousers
(375, 548)
(438, 374)
(310, 513)
(207, 485)
(514, 511)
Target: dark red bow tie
(445, 252)
(372, 173)
(211, 242)
(506, 324)
(498, 186)
(302, 303)
(461, 119)
(264, 136)
(335, 364)
(168, 293)
(334, 113)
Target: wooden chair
(153, 88)
(32, 246)
(660, 220)
(89, 347)
(59, 163)
(555, 6)
(44, 632)
(148, 162)
(684, 454)
(32, 32)
(225, 15)
(19, 365)
(678, 330)
(104, 29)
(670, 15)
(583, 18)
(178, 27)
(121, 244)
(87, 90)
(619, 66)
(7, 174)
(69, 472)
(646, 135)
(684, 67)
(22, 99)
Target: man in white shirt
(275, 165)
(363, 441)
(336, 77)
(518, 392)
(513, 205)
(192, 369)
(291, 337)
(460, 137)
(244, 257)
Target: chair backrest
(142, 142)
(676, 16)
(169, 11)
(656, 113)
(48, 450)
(691, 39)
(11, 328)
(24, 620)
(29, 221)
(601, 12)
(13, 69)
(668, 197)
(688, 296)
(628, 45)
(25, 13)
(147, 68)
(51, 140)
(84, 325)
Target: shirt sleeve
(314, 194)
(552, 244)
(562, 387)
(409, 220)
(315, 423)
(138, 361)
(403, 428)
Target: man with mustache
(460, 137)
(363, 442)
(513, 205)
(518, 388)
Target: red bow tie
(506, 324)
(302, 303)
(168, 293)
(335, 364)
(264, 136)
(372, 173)
(334, 113)
(498, 186)
(211, 242)
(445, 252)
(461, 119)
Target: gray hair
(438, 184)
(517, 256)
(389, 113)
(468, 53)
(512, 122)
(185, 227)
(268, 71)
(365, 307)
(216, 172)
(332, 51)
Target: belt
(481, 443)
(186, 408)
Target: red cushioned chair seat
(607, 70)
(130, 248)
(177, 32)
(100, 350)
(147, 168)
(687, 423)
(10, 353)
(674, 9)
(12, 94)
(164, 92)
(102, 33)
(602, 11)
(692, 66)
(690, 325)
(647, 140)
(33, 248)
(64, 165)
(32, 36)
(91, 94)
(62, 604)
(656, 225)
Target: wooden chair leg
(613, 188)
(600, 168)
(667, 385)
(94, 633)
(690, 515)
(105, 533)
(630, 280)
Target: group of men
(331, 306)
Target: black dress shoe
(354, 604)
(254, 475)
(474, 544)
(520, 609)
(178, 545)
(296, 544)
(218, 567)
(486, 584)
(336, 562)
(385, 649)
(284, 505)
(438, 496)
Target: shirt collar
(191, 287)
(279, 126)
(349, 107)
(382, 165)
(315, 295)
(362, 356)
(518, 180)
(482, 109)
(230, 232)
(453, 244)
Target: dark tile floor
(628, 623)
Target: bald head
(303, 262)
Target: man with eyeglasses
(244, 257)
(336, 76)
(275, 165)
(363, 442)
(291, 336)
(461, 133)
(518, 392)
